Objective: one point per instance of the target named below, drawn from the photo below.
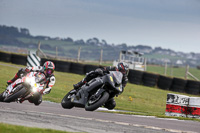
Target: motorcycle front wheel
(93, 104)
(66, 101)
(17, 94)
(1, 97)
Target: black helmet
(122, 67)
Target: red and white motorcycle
(25, 87)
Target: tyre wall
(178, 85)
(164, 82)
(5, 57)
(19, 59)
(150, 79)
(193, 87)
(63, 66)
(89, 68)
(77, 68)
(135, 77)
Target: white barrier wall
(182, 106)
(194, 107)
(176, 105)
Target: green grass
(159, 56)
(174, 72)
(8, 128)
(136, 98)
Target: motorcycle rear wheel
(19, 92)
(66, 101)
(103, 98)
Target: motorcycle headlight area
(32, 83)
(34, 88)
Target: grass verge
(8, 128)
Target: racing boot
(78, 85)
(21, 100)
(12, 80)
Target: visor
(49, 71)
(125, 71)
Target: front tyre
(1, 97)
(66, 101)
(92, 104)
(36, 99)
(17, 94)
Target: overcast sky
(173, 24)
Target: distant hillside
(90, 49)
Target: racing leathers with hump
(121, 67)
(47, 69)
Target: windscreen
(39, 77)
(117, 76)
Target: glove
(42, 93)
(24, 70)
(20, 72)
(45, 91)
(99, 71)
(27, 69)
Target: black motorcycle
(95, 93)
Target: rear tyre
(18, 93)
(93, 105)
(66, 101)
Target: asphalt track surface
(53, 116)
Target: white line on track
(100, 120)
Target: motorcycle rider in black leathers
(122, 67)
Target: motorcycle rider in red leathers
(121, 67)
(48, 70)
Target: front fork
(99, 92)
(9, 88)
